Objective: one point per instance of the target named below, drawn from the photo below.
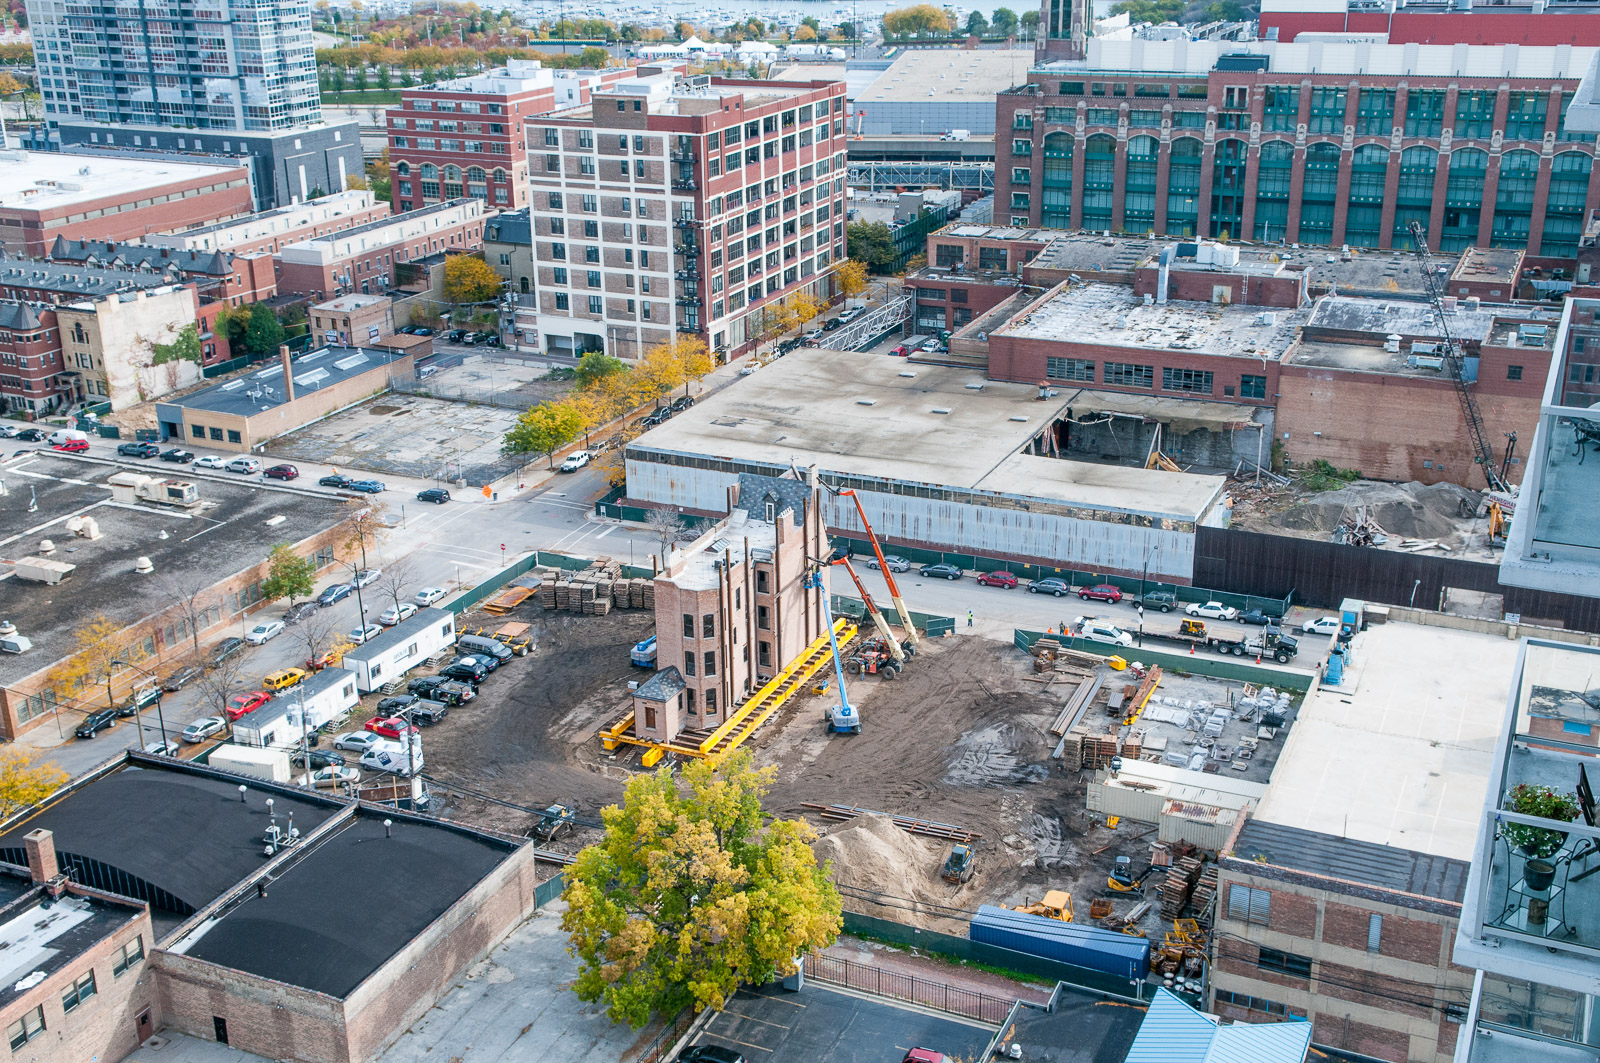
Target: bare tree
(397, 575)
(318, 634)
(191, 599)
(222, 681)
(366, 524)
(666, 526)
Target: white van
(65, 435)
(394, 757)
(1103, 631)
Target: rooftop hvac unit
(1392, 344)
(1423, 362)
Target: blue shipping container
(1107, 951)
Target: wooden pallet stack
(1204, 890)
(1098, 750)
(1175, 892)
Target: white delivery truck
(271, 765)
(399, 758)
(66, 435)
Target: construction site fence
(523, 566)
(662, 1043)
(969, 951)
(856, 609)
(900, 985)
(1130, 585)
(1199, 663)
(549, 890)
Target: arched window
(1228, 166)
(1563, 214)
(1099, 181)
(1414, 197)
(452, 183)
(429, 170)
(1513, 201)
(499, 175)
(1057, 212)
(1369, 172)
(476, 173)
(402, 168)
(1139, 184)
(1463, 199)
(1320, 193)
(1274, 170)
(1183, 186)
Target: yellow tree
(544, 429)
(693, 892)
(591, 410)
(692, 357)
(469, 279)
(89, 665)
(851, 278)
(657, 373)
(24, 781)
(917, 21)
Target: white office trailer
(404, 646)
(286, 719)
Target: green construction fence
(1236, 669)
(856, 609)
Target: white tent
(752, 47)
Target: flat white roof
(1199, 58)
(872, 415)
(48, 180)
(1400, 753)
(918, 76)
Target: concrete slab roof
(1095, 253)
(263, 389)
(237, 524)
(1112, 315)
(858, 414)
(942, 74)
(1402, 317)
(1398, 755)
(1479, 264)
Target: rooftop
(1112, 315)
(999, 232)
(346, 303)
(422, 619)
(1079, 1027)
(509, 227)
(945, 74)
(1403, 317)
(39, 936)
(1489, 264)
(71, 278)
(52, 180)
(1366, 272)
(411, 223)
(1174, 1031)
(1199, 58)
(121, 255)
(225, 234)
(1368, 358)
(1397, 755)
(239, 523)
(739, 537)
(246, 396)
(1095, 253)
(1330, 856)
(872, 417)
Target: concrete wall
(119, 335)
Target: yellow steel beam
(819, 650)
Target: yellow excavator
(1123, 880)
(1055, 904)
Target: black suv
(226, 649)
(467, 671)
(682, 402)
(138, 450)
(658, 415)
(140, 699)
(319, 759)
(96, 722)
(440, 689)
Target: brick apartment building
(687, 205)
(364, 259)
(732, 608)
(1495, 22)
(32, 372)
(352, 320)
(1354, 936)
(1322, 143)
(44, 195)
(271, 231)
(467, 138)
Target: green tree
(847, 30)
(920, 20)
(871, 242)
(1153, 11)
(595, 366)
(288, 575)
(692, 893)
(594, 58)
(977, 25)
(1225, 11)
(264, 334)
(544, 429)
(385, 77)
(811, 21)
(1029, 23)
(1004, 21)
(185, 347)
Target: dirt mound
(872, 858)
(1409, 510)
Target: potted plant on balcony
(1538, 844)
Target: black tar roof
(1081, 1028)
(246, 396)
(1384, 866)
(229, 534)
(336, 915)
(182, 832)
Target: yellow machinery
(1055, 904)
(1499, 525)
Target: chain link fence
(899, 985)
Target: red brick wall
(1376, 1041)
(372, 270)
(40, 231)
(265, 1017)
(1023, 359)
(1200, 286)
(980, 297)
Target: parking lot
(486, 375)
(818, 1025)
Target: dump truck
(1270, 642)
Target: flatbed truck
(1270, 642)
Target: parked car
(418, 330)
(1101, 592)
(396, 613)
(811, 338)
(281, 472)
(426, 712)
(710, 1054)
(831, 324)
(390, 727)
(428, 595)
(487, 661)
(204, 728)
(138, 701)
(437, 495)
(396, 704)
(1212, 611)
(941, 571)
(851, 314)
(227, 649)
(1102, 631)
(334, 775)
(31, 435)
(264, 632)
(177, 456)
(244, 465)
(438, 688)
(681, 403)
(363, 634)
(242, 705)
(659, 415)
(1322, 625)
(336, 593)
(335, 480)
(368, 487)
(138, 450)
(927, 1055)
(162, 749)
(749, 368)
(283, 679)
(299, 611)
(1005, 580)
(210, 461)
(456, 335)
(575, 461)
(1257, 618)
(9, 431)
(356, 741)
(892, 562)
(96, 722)
(464, 669)
(366, 575)
(1051, 585)
(320, 758)
(183, 676)
(1162, 601)
(71, 445)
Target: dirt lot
(960, 737)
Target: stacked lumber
(1204, 890)
(1098, 750)
(1175, 892)
(1076, 704)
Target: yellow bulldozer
(1055, 904)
